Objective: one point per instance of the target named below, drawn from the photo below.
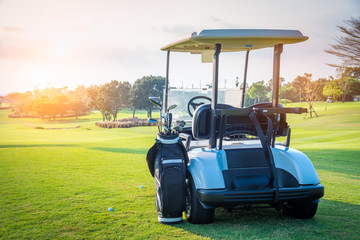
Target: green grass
(59, 183)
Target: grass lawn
(58, 179)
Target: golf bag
(167, 161)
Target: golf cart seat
(235, 125)
(202, 118)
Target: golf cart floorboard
(225, 197)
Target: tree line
(114, 96)
(49, 103)
(108, 98)
(343, 87)
(111, 97)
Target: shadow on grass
(37, 145)
(334, 220)
(105, 149)
(121, 150)
(68, 120)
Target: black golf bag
(167, 160)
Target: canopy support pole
(244, 83)
(215, 83)
(167, 81)
(278, 48)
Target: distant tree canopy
(258, 92)
(50, 103)
(108, 98)
(332, 89)
(303, 88)
(111, 97)
(145, 87)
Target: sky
(48, 43)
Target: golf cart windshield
(182, 97)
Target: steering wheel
(195, 105)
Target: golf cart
(226, 155)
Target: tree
(332, 89)
(269, 87)
(20, 101)
(112, 97)
(96, 95)
(320, 84)
(310, 89)
(299, 83)
(257, 91)
(347, 47)
(78, 103)
(116, 96)
(353, 72)
(143, 88)
(288, 91)
(41, 106)
(347, 82)
(354, 86)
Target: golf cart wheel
(301, 211)
(195, 213)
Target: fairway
(58, 179)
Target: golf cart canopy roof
(233, 40)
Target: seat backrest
(282, 126)
(202, 120)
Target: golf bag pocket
(169, 175)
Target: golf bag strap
(184, 152)
(150, 157)
(266, 142)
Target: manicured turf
(58, 182)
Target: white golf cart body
(233, 172)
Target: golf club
(169, 120)
(153, 120)
(166, 130)
(156, 101)
(171, 107)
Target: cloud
(12, 29)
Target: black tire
(194, 211)
(301, 211)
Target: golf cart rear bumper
(225, 197)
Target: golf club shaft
(169, 121)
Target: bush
(285, 101)
(125, 123)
